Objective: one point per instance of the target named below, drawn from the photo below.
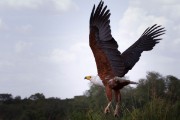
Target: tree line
(156, 97)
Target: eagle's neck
(97, 81)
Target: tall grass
(156, 109)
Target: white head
(95, 80)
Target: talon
(107, 110)
(116, 113)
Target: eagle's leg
(118, 100)
(109, 97)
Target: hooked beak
(88, 77)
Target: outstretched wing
(110, 62)
(104, 47)
(145, 43)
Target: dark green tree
(173, 91)
(37, 96)
(6, 97)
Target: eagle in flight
(111, 64)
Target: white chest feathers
(97, 81)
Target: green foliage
(37, 96)
(155, 98)
(5, 97)
(156, 109)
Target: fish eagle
(111, 64)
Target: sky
(44, 45)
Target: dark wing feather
(104, 47)
(145, 43)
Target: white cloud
(138, 19)
(22, 46)
(2, 25)
(59, 5)
(167, 8)
(5, 64)
(24, 28)
(62, 56)
(79, 47)
(64, 5)
(21, 3)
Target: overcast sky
(44, 43)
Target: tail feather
(132, 82)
